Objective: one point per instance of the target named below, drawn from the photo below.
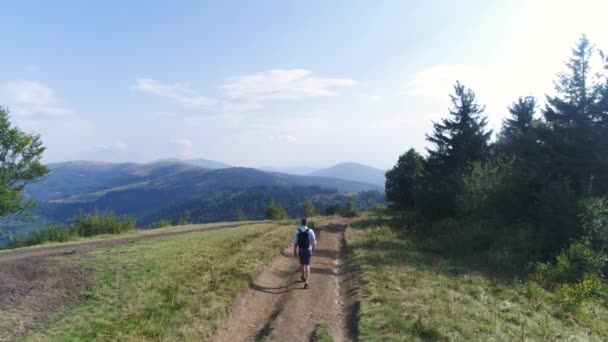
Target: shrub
(240, 215)
(101, 223)
(349, 208)
(47, 234)
(571, 296)
(161, 224)
(594, 220)
(331, 209)
(309, 209)
(572, 266)
(276, 212)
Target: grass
(175, 288)
(74, 240)
(322, 334)
(409, 295)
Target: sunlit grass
(410, 295)
(175, 288)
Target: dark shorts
(305, 256)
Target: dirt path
(33, 287)
(277, 308)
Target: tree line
(534, 191)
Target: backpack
(303, 240)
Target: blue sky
(281, 83)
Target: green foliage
(161, 224)
(481, 184)
(185, 219)
(594, 219)
(240, 215)
(404, 180)
(80, 226)
(350, 210)
(331, 209)
(20, 155)
(101, 223)
(537, 190)
(309, 209)
(40, 236)
(572, 266)
(276, 212)
(321, 333)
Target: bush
(276, 212)
(40, 236)
(161, 224)
(101, 223)
(240, 216)
(349, 208)
(309, 209)
(594, 220)
(331, 209)
(572, 266)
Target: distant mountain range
(354, 172)
(166, 188)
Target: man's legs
(302, 272)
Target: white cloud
(32, 98)
(496, 86)
(179, 92)
(184, 146)
(279, 84)
(283, 138)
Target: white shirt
(311, 237)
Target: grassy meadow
(172, 288)
(408, 295)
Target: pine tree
(517, 136)
(458, 141)
(463, 138)
(571, 133)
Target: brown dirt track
(277, 308)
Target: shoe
(301, 277)
(305, 285)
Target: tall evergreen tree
(570, 120)
(461, 139)
(458, 141)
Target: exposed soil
(33, 286)
(277, 308)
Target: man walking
(304, 243)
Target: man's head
(304, 221)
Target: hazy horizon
(272, 83)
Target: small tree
(309, 209)
(20, 155)
(185, 218)
(350, 210)
(275, 212)
(405, 179)
(240, 215)
(331, 209)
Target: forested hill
(149, 191)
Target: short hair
(304, 221)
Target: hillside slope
(164, 190)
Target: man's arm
(313, 240)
